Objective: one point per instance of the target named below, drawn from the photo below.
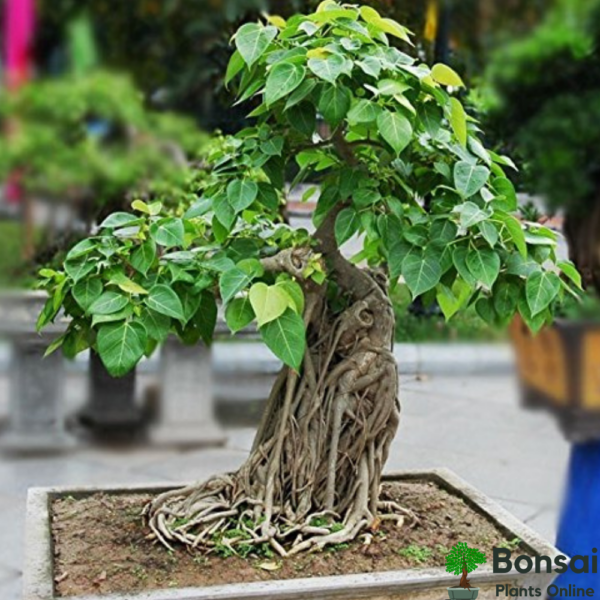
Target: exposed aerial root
(313, 476)
(196, 519)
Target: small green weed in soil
(511, 545)
(420, 554)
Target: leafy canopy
(387, 147)
(462, 557)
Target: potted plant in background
(399, 134)
(88, 143)
(84, 146)
(542, 96)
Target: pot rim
(461, 588)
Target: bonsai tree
(541, 96)
(463, 560)
(397, 137)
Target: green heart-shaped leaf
(541, 289)
(395, 129)
(268, 301)
(286, 338)
(283, 79)
(121, 346)
(251, 41)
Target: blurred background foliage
(86, 146)
(78, 137)
(148, 76)
(540, 96)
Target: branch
(321, 144)
(292, 261)
(352, 279)
(344, 149)
(373, 143)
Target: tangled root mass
(313, 475)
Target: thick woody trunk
(321, 446)
(464, 581)
(323, 440)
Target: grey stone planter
(36, 384)
(187, 412)
(421, 584)
(111, 411)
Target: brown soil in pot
(100, 545)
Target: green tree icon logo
(464, 560)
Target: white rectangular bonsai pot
(417, 584)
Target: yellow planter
(559, 369)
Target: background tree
(396, 136)
(89, 142)
(542, 98)
(463, 560)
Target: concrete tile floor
(472, 425)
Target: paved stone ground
(472, 425)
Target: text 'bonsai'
(396, 162)
(463, 560)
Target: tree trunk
(464, 582)
(313, 475)
(582, 232)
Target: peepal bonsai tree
(401, 165)
(463, 560)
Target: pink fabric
(19, 29)
(19, 24)
(12, 189)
